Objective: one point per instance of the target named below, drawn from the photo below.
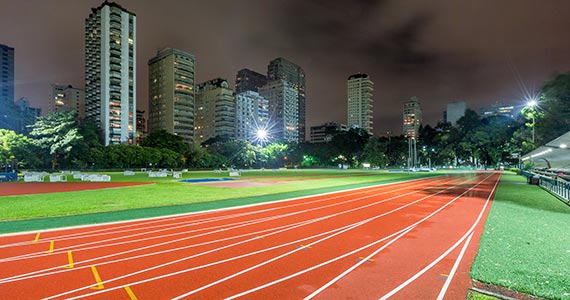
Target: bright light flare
(261, 134)
(531, 103)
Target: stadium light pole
(532, 104)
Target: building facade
(248, 80)
(110, 72)
(171, 92)
(252, 114)
(454, 112)
(283, 110)
(498, 109)
(8, 111)
(280, 68)
(325, 132)
(6, 75)
(359, 89)
(412, 118)
(66, 98)
(215, 110)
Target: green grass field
(169, 196)
(526, 242)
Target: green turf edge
(516, 205)
(141, 213)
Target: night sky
(478, 51)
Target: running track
(409, 240)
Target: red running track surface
(408, 240)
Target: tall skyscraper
(283, 110)
(248, 80)
(280, 68)
(359, 90)
(110, 72)
(454, 112)
(171, 93)
(215, 110)
(252, 114)
(6, 75)
(9, 114)
(412, 118)
(66, 98)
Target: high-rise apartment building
(280, 68)
(454, 112)
(6, 75)
(412, 118)
(141, 126)
(359, 90)
(215, 110)
(171, 93)
(283, 110)
(66, 98)
(248, 80)
(252, 114)
(110, 72)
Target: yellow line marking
(97, 279)
(51, 246)
(444, 275)
(37, 237)
(131, 294)
(363, 258)
(70, 259)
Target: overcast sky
(478, 51)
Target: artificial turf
(526, 242)
(168, 196)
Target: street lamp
(532, 104)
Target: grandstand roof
(553, 155)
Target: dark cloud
(440, 50)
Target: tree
(554, 109)
(16, 150)
(375, 151)
(56, 134)
(162, 139)
(350, 145)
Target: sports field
(408, 240)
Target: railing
(553, 185)
(560, 188)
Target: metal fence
(555, 186)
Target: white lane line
(223, 261)
(189, 214)
(437, 260)
(29, 275)
(398, 236)
(360, 249)
(77, 248)
(454, 269)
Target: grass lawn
(169, 196)
(526, 242)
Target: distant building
(215, 110)
(325, 132)
(171, 93)
(280, 68)
(284, 117)
(412, 118)
(110, 72)
(454, 112)
(498, 109)
(141, 126)
(359, 90)
(248, 80)
(6, 75)
(66, 98)
(252, 114)
(8, 113)
(28, 115)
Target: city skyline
(479, 52)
